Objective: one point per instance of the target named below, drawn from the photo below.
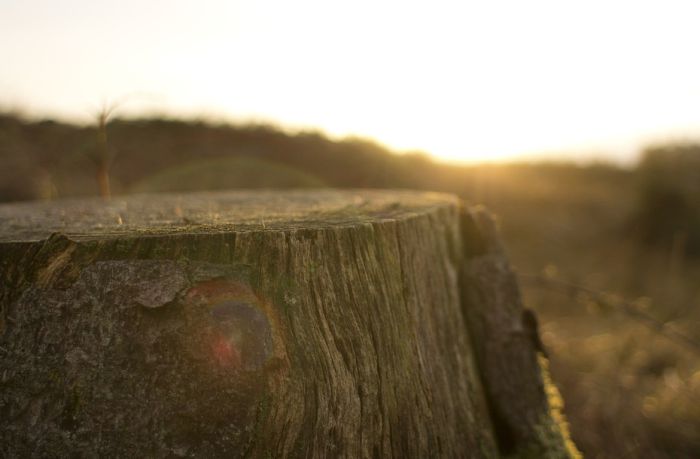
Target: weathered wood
(266, 324)
(506, 343)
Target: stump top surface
(207, 212)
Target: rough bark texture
(506, 343)
(295, 324)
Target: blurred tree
(669, 197)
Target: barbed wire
(628, 308)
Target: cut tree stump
(265, 324)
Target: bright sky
(462, 80)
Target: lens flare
(240, 333)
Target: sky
(461, 80)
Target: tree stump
(264, 324)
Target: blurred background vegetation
(608, 256)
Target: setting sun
(463, 81)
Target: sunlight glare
(463, 81)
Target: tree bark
(265, 324)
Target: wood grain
(265, 324)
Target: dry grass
(629, 391)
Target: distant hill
(43, 159)
(49, 158)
